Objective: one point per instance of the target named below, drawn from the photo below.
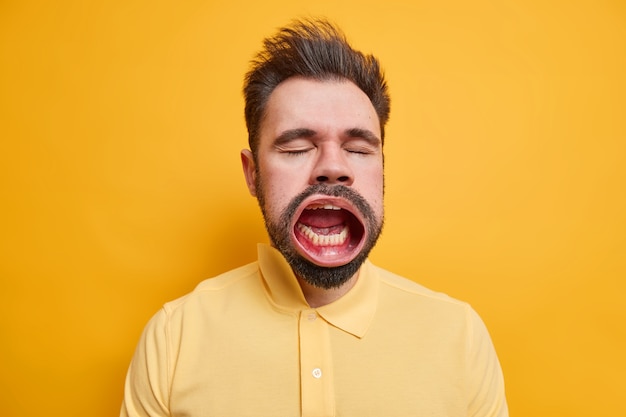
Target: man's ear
(249, 170)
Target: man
(313, 328)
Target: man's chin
(323, 276)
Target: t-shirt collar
(351, 313)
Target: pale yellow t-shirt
(246, 343)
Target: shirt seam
(169, 364)
(436, 296)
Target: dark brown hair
(313, 49)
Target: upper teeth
(323, 206)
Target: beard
(280, 235)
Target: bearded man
(312, 328)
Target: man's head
(311, 49)
(316, 111)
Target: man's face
(318, 176)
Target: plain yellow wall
(121, 124)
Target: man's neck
(318, 297)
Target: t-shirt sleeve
(486, 382)
(146, 392)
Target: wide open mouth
(328, 231)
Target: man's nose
(332, 167)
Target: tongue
(323, 218)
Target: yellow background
(121, 124)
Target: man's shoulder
(228, 278)
(216, 286)
(403, 287)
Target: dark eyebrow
(298, 133)
(291, 134)
(368, 135)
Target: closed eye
(295, 152)
(362, 142)
(360, 147)
(294, 142)
(359, 151)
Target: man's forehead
(304, 103)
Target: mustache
(332, 191)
